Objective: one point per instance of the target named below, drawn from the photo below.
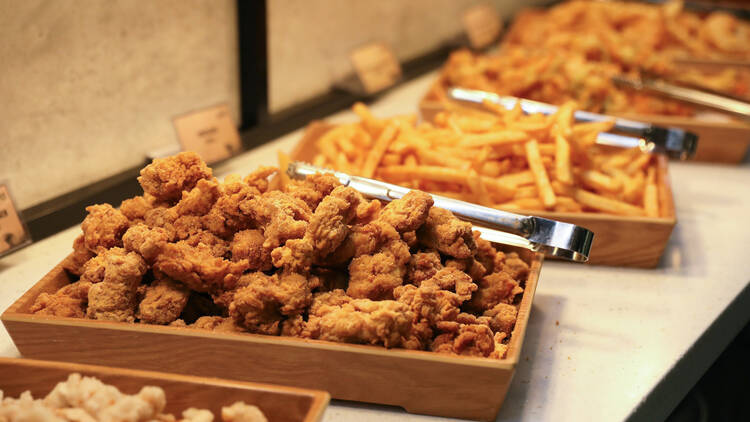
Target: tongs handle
(551, 237)
(671, 141)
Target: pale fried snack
(310, 259)
(503, 159)
(82, 398)
(103, 227)
(167, 178)
(571, 50)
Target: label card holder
(482, 24)
(376, 66)
(210, 132)
(13, 231)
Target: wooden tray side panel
(19, 375)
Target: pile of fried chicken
(311, 259)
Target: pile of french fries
(498, 158)
(571, 50)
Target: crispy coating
(470, 266)
(313, 188)
(422, 266)
(248, 245)
(135, 208)
(200, 199)
(112, 302)
(431, 305)
(281, 216)
(409, 213)
(485, 253)
(225, 217)
(116, 266)
(456, 281)
(363, 321)
(163, 302)
(202, 238)
(293, 326)
(103, 227)
(466, 340)
(446, 233)
(74, 262)
(147, 242)
(218, 324)
(512, 264)
(502, 318)
(163, 218)
(330, 279)
(261, 303)
(166, 178)
(493, 289)
(197, 267)
(69, 301)
(258, 179)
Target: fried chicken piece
(260, 304)
(200, 199)
(241, 412)
(281, 216)
(115, 275)
(410, 238)
(163, 302)
(493, 289)
(201, 304)
(330, 279)
(293, 326)
(408, 213)
(430, 305)
(471, 266)
(197, 267)
(116, 266)
(512, 264)
(313, 188)
(166, 178)
(103, 227)
(361, 321)
(135, 208)
(375, 276)
(69, 301)
(163, 218)
(446, 233)
(485, 253)
(456, 281)
(500, 347)
(259, 178)
(147, 242)
(218, 246)
(218, 324)
(225, 217)
(329, 226)
(248, 245)
(466, 340)
(74, 262)
(502, 318)
(422, 266)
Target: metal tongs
(553, 238)
(671, 141)
(699, 97)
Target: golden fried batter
(281, 216)
(147, 242)
(225, 217)
(493, 289)
(197, 267)
(103, 227)
(248, 245)
(422, 266)
(408, 213)
(163, 302)
(313, 189)
(200, 199)
(218, 324)
(446, 233)
(69, 301)
(467, 340)
(116, 275)
(167, 178)
(74, 262)
(135, 208)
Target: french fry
(563, 170)
(600, 181)
(651, 195)
(433, 158)
(601, 203)
(283, 166)
(493, 138)
(546, 193)
(381, 144)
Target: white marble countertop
(602, 343)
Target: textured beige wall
(309, 41)
(88, 87)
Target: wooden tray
(419, 381)
(618, 240)
(277, 403)
(718, 142)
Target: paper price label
(13, 232)
(376, 66)
(209, 132)
(482, 24)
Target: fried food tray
(419, 381)
(182, 392)
(619, 240)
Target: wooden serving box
(618, 240)
(277, 403)
(724, 142)
(419, 381)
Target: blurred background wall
(88, 87)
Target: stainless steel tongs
(672, 141)
(553, 238)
